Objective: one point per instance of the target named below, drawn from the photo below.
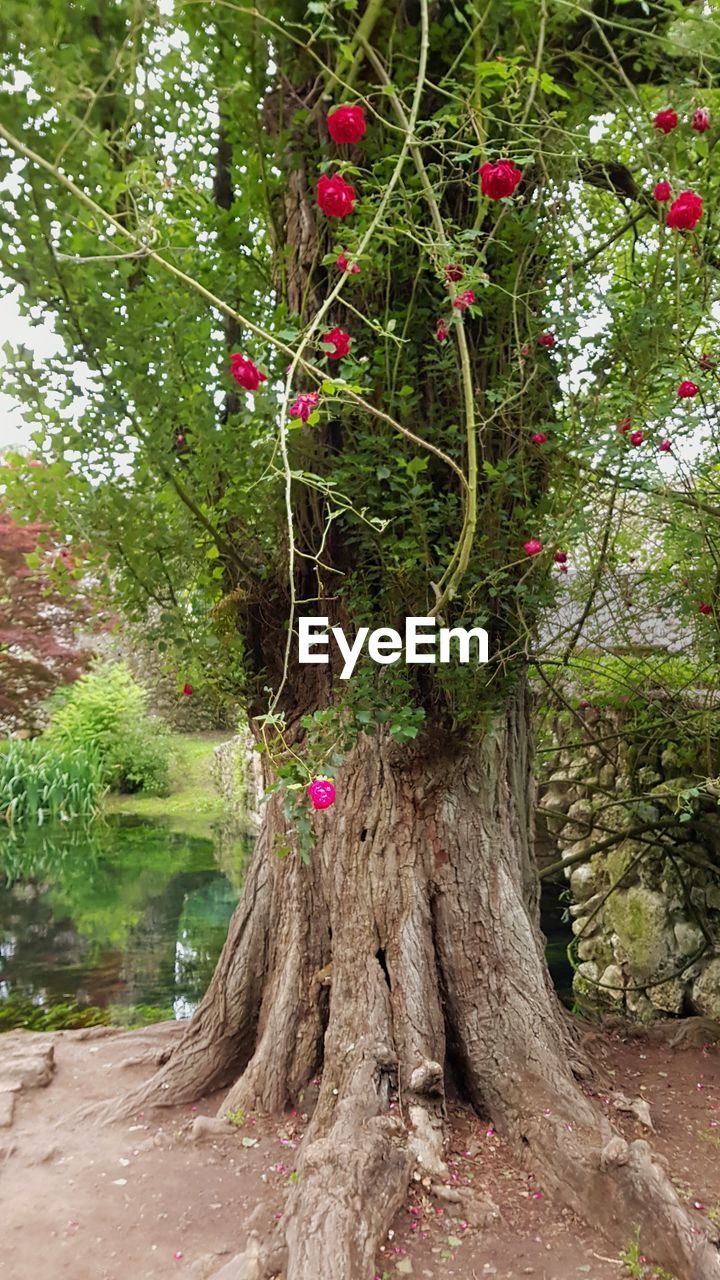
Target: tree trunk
(410, 947)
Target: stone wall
(645, 906)
(237, 774)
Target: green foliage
(138, 1015)
(371, 707)
(65, 1015)
(380, 497)
(236, 1117)
(105, 711)
(665, 710)
(41, 781)
(62, 1015)
(633, 1260)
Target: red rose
(666, 120)
(304, 404)
(624, 426)
(322, 793)
(685, 212)
(246, 372)
(335, 196)
(687, 390)
(664, 446)
(662, 192)
(499, 179)
(338, 339)
(442, 333)
(701, 120)
(342, 262)
(187, 690)
(532, 547)
(563, 568)
(560, 557)
(453, 272)
(705, 608)
(539, 438)
(346, 124)
(636, 439)
(546, 340)
(464, 300)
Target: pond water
(121, 922)
(558, 933)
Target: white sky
(17, 329)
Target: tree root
(421, 895)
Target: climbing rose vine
(342, 262)
(685, 212)
(246, 372)
(304, 404)
(499, 179)
(346, 124)
(322, 793)
(335, 196)
(338, 339)
(666, 120)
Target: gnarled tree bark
(420, 908)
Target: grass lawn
(193, 802)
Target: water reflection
(120, 922)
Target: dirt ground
(142, 1199)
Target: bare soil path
(148, 1198)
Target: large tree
(504, 319)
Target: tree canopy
(169, 217)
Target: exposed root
(694, 1032)
(420, 893)
(359, 1151)
(511, 1043)
(479, 1211)
(355, 1163)
(290, 1031)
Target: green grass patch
(193, 802)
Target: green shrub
(40, 782)
(106, 710)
